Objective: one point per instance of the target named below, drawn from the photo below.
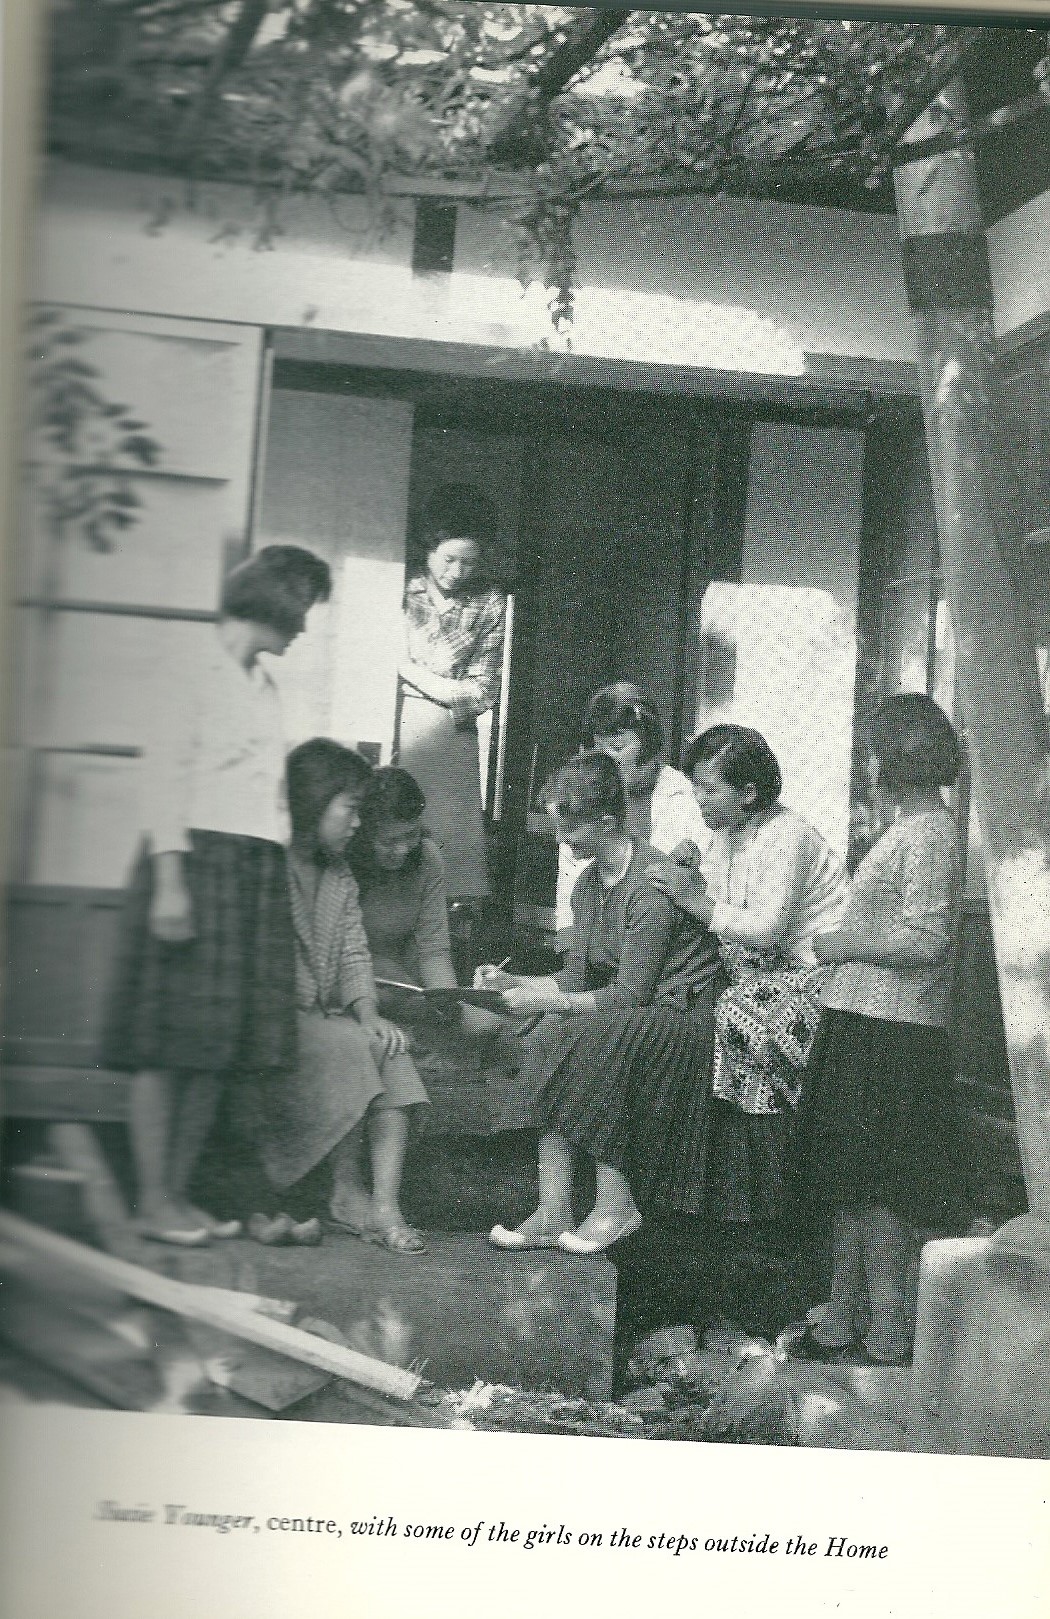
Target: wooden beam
(982, 556)
(194, 1303)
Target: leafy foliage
(545, 103)
(83, 445)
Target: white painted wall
(1019, 252)
(336, 480)
(734, 285)
(724, 282)
(792, 618)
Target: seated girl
(766, 885)
(404, 902)
(619, 1062)
(355, 1082)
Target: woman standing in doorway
(450, 675)
(205, 978)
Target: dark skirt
(226, 999)
(750, 1164)
(877, 1122)
(629, 1085)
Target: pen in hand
(485, 974)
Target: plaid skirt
(225, 999)
(629, 1085)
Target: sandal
(348, 1228)
(398, 1239)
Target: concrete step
(462, 1311)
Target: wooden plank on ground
(194, 1303)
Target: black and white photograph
(527, 782)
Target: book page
(434, 434)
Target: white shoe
(570, 1243)
(514, 1241)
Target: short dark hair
(586, 788)
(276, 587)
(915, 743)
(744, 758)
(316, 771)
(391, 795)
(457, 511)
(623, 707)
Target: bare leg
(387, 1139)
(388, 1136)
(554, 1214)
(194, 1116)
(151, 1127)
(840, 1323)
(350, 1200)
(614, 1207)
(887, 1242)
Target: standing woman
(205, 981)
(661, 809)
(450, 675)
(766, 885)
(878, 1119)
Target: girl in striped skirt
(620, 1062)
(205, 979)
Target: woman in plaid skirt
(204, 981)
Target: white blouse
(775, 883)
(217, 761)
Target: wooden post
(949, 288)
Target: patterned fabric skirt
(443, 757)
(765, 1025)
(877, 1124)
(629, 1085)
(226, 999)
(298, 1118)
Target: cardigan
(905, 891)
(333, 964)
(630, 945)
(406, 912)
